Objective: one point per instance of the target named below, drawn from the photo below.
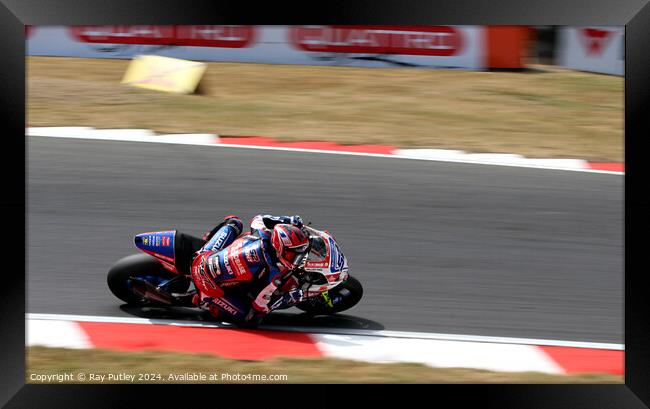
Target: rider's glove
(293, 297)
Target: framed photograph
(219, 194)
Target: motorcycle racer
(240, 276)
(275, 247)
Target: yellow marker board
(164, 74)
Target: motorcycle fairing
(159, 244)
(332, 265)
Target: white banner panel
(367, 46)
(597, 49)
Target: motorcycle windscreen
(159, 244)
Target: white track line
(89, 134)
(333, 331)
(124, 135)
(450, 160)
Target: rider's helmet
(291, 245)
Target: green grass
(52, 361)
(542, 113)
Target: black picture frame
(634, 14)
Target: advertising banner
(367, 46)
(595, 49)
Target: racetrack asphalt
(439, 247)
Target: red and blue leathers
(229, 258)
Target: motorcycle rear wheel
(141, 266)
(345, 296)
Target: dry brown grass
(42, 361)
(552, 113)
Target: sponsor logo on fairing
(231, 309)
(213, 265)
(234, 252)
(159, 244)
(317, 264)
(251, 255)
(220, 240)
(241, 270)
(226, 263)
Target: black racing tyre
(137, 265)
(344, 297)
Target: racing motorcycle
(161, 276)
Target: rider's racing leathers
(227, 259)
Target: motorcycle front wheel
(343, 297)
